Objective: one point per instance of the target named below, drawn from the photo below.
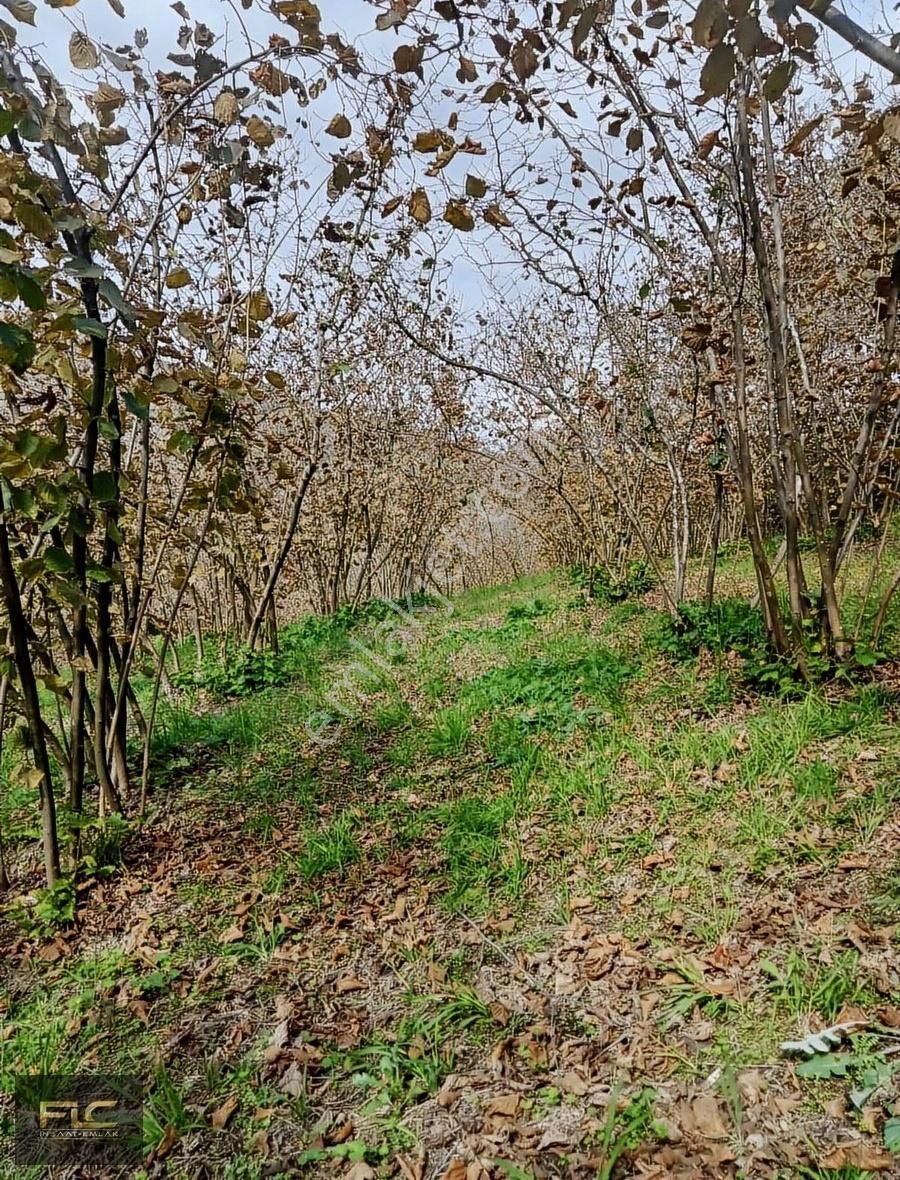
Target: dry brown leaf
(219, 1118)
(507, 1105)
(271, 79)
(573, 1083)
(398, 913)
(891, 124)
(420, 206)
(836, 1108)
(232, 934)
(341, 1133)
(260, 1144)
(260, 131)
(858, 1155)
(860, 861)
(800, 136)
(410, 1169)
(339, 127)
(83, 52)
(500, 1013)
(259, 306)
(707, 1117)
(360, 1171)
(168, 1141)
(350, 983)
(178, 276)
(226, 108)
(707, 143)
(459, 216)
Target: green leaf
(114, 297)
(28, 290)
(826, 1065)
(23, 501)
(104, 488)
(136, 403)
(83, 269)
(513, 1170)
(180, 442)
(777, 80)
(89, 326)
(99, 573)
(33, 218)
(17, 347)
(892, 1134)
(27, 443)
(57, 560)
(8, 120)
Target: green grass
(525, 756)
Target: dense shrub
(729, 625)
(600, 585)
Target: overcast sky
(355, 20)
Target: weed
(626, 1129)
(331, 849)
(416, 1059)
(473, 849)
(816, 781)
(53, 907)
(682, 998)
(803, 987)
(450, 732)
(165, 1106)
(393, 715)
(525, 612)
(607, 588)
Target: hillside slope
(505, 888)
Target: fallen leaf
(836, 1108)
(573, 1083)
(360, 1171)
(219, 1118)
(581, 903)
(350, 983)
(858, 1155)
(707, 1117)
(860, 861)
(500, 1013)
(341, 1133)
(168, 1141)
(259, 1143)
(506, 1105)
(410, 1168)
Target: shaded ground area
(546, 902)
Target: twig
(502, 953)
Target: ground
(502, 890)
